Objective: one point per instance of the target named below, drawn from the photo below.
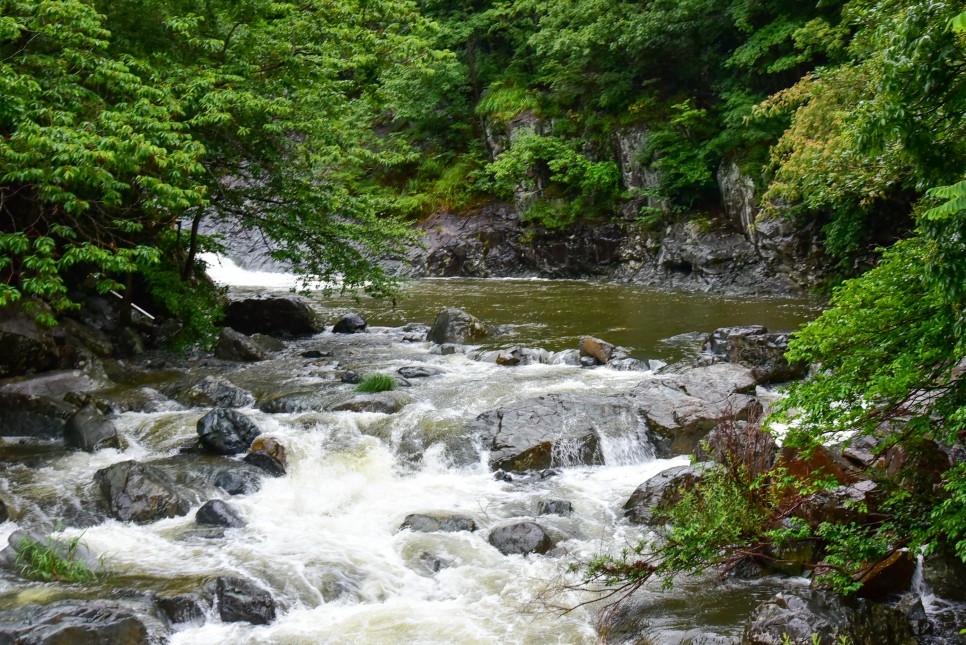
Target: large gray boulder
(660, 493)
(217, 513)
(757, 349)
(681, 409)
(89, 430)
(273, 315)
(521, 538)
(226, 432)
(438, 522)
(242, 601)
(551, 431)
(217, 391)
(139, 493)
(801, 616)
(350, 324)
(384, 402)
(456, 326)
(236, 346)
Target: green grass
(53, 561)
(376, 383)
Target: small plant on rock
(53, 560)
(376, 383)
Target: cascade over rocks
(139, 493)
(236, 346)
(217, 391)
(384, 402)
(456, 326)
(800, 615)
(217, 513)
(350, 324)
(267, 454)
(419, 371)
(242, 601)
(521, 538)
(550, 431)
(284, 316)
(226, 432)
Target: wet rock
(551, 431)
(184, 608)
(754, 347)
(289, 402)
(21, 538)
(28, 346)
(846, 504)
(456, 326)
(4, 513)
(83, 622)
(818, 461)
(445, 349)
(237, 482)
(598, 349)
(739, 443)
(139, 493)
(555, 507)
(59, 384)
(235, 346)
(659, 493)
(522, 538)
(217, 391)
(681, 409)
(36, 417)
(566, 357)
(273, 315)
(315, 353)
(946, 576)
(217, 513)
(94, 340)
(437, 522)
(226, 432)
(89, 430)
(628, 365)
(269, 455)
(890, 577)
(802, 615)
(350, 324)
(242, 601)
(419, 371)
(588, 361)
(384, 402)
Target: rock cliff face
(771, 258)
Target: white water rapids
(325, 538)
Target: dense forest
(331, 126)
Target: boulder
(384, 402)
(269, 455)
(89, 430)
(438, 522)
(350, 324)
(139, 493)
(184, 608)
(889, 577)
(946, 576)
(217, 513)
(600, 350)
(566, 357)
(84, 622)
(226, 432)
(217, 391)
(456, 326)
(28, 346)
(739, 443)
(35, 417)
(521, 538)
(754, 347)
(242, 601)
(284, 316)
(801, 616)
(237, 482)
(4, 513)
(551, 431)
(235, 346)
(852, 503)
(517, 356)
(659, 493)
(21, 538)
(59, 384)
(817, 461)
(419, 371)
(555, 507)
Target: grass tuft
(53, 561)
(376, 383)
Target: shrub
(376, 383)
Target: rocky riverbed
(255, 496)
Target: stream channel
(325, 538)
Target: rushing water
(325, 538)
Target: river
(325, 538)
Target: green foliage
(376, 383)
(566, 184)
(53, 561)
